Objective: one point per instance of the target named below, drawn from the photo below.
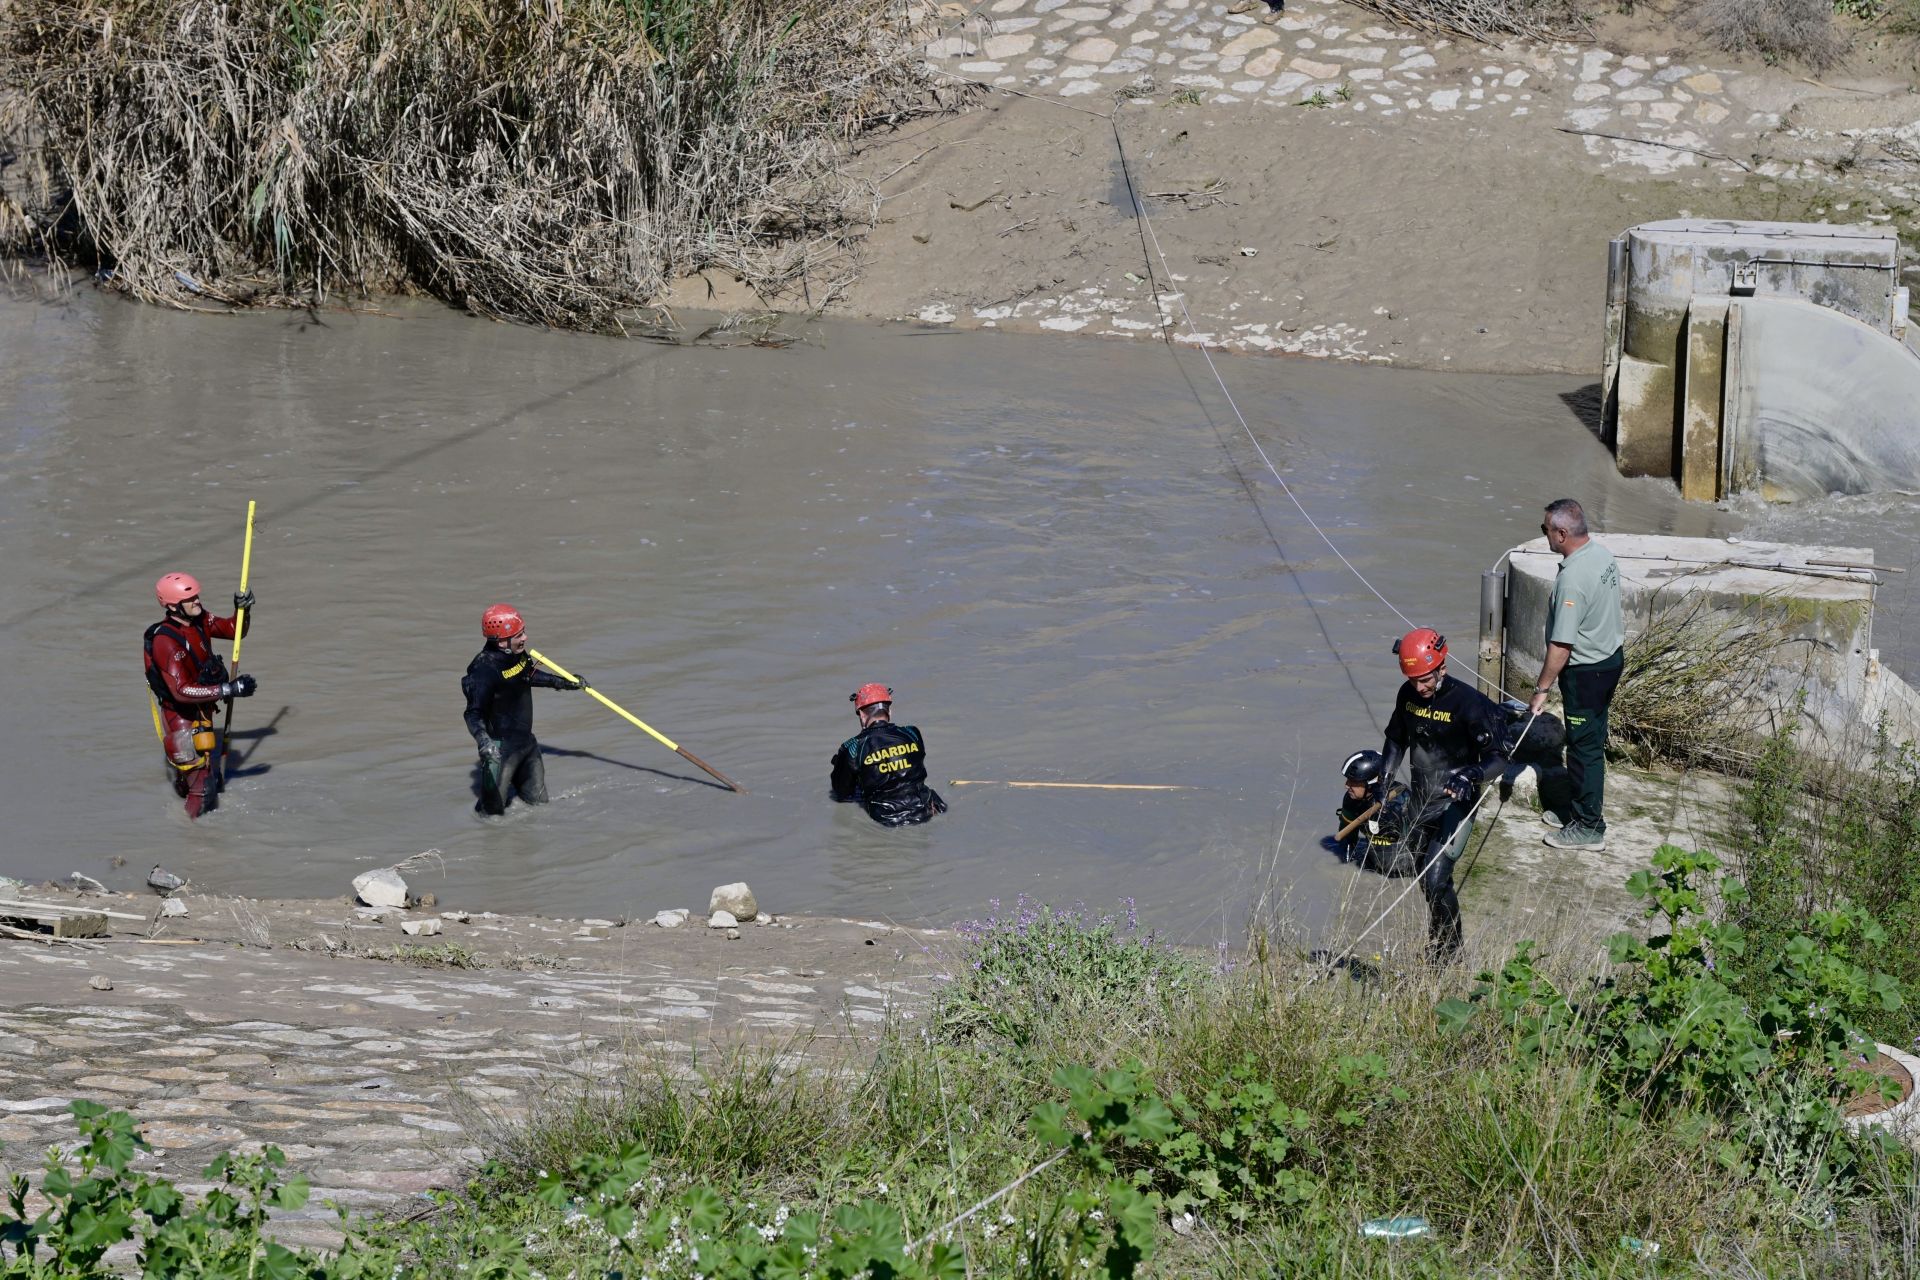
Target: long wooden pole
(635, 720)
(1070, 786)
(239, 634)
(1353, 826)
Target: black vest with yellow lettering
(499, 688)
(884, 767)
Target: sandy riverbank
(1334, 186)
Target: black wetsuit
(499, 686)
(1376, 844)
(1458, 728)
(884, 767)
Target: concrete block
(1703, 389)
(1643, 420)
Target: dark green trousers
(1588, 692)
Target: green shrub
(1045, 972)
(1812, 839)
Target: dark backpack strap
(155, 681)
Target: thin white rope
(1180, 297)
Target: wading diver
(1453, 738)
(884, 766)
(499, 685)
(189, 680)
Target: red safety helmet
(869, 694)
(173, 588)
(1421, 651)
(501, 622)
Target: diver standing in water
(884, 766)
(499, 685)
(189, 680)
(1452, 736)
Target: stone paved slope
(352, 1066)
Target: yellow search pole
(634, 720)
(239, 633)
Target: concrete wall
(1831, 617)
(1819, 403)
(1678, 374)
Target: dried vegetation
(1692, 691)
(554, 163)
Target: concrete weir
(1818, 602)
(1761, 356)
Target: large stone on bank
(382, 888)
(736, 899)
(421, 928)
(672, 919)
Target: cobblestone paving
(1330, 56)
(350, 1065)
(1650, 115)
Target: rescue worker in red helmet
(189, 681)
(499, 685)
(1452, 737)
(884, 766)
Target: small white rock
(672, 919)
(765, 917)
(100, 982)
(458, 917)
(382, 888)
(735, 899)
(733, 935)
(172, 907)
(421, 928)
(722, 920)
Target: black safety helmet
(1364, 767)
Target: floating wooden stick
(1077, 786)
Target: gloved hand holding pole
(634, 720)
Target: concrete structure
(1767, 356)
(1822, 611)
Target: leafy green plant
(1670, 1029)
(1239, 1147)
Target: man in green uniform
(1584, 653)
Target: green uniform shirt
(1586, 605)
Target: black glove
(239, 687)
(1461, 782)
(579, 683)
(242, 600)
(490, 752)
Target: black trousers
(1588, 691)
(1439, 842)
(521, 771)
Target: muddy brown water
(1043, 545)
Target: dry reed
(1693, 690)
(554, 163)
(1489, 21)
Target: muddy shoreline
(1332, 186)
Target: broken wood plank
(60, 924)
(37, 905)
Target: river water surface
(1046, 547)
